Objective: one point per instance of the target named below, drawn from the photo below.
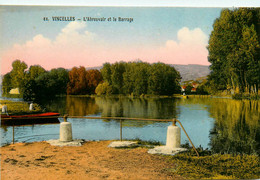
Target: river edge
(95, 160)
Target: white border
(137, 3)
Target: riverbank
(95, 160)
(19, 107)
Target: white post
(173, 137)
(31, 107)
(65, 131)
(4, 109)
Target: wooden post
(65, 117)
(174, 122)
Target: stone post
(65, 131)
(173, 137)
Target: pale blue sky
(151, 25)
(172, 35)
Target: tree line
(139, 78)
(35, 83)
(234, 51)
(133, 78)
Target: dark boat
(41, 118)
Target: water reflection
(237, 126)
(223, 125)
(137, 107)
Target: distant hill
(188, 72)
(191, 71)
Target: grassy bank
(217, 166)
(208, 165)
(14, 107)
(246, 96)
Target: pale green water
(223, 125)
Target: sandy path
(93, 160)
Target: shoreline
(95, 160)
(92, 160)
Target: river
(220, 124)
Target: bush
(103, 89)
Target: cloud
(195, 36)
(190, 48)
(75, 46)
(69, 47)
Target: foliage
(29, 91)
(6, 83)
(46, 85)
(18, 73)
(117, 71)
(202, 89)
(234, 50)
(106, 72)
(163, 79)
(188, 89)
(216, 166)
(34, 72)
(77, 81)
(93, 77)
(140, 78)
(82, 81)
(136, 78)
(103, 89)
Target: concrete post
(65, 131)
(31, 107)
(4, 109)
(173, 137)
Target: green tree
(18, 73)
(47, 85)
(117, 71)
(234, 50)
(163, 80)
(6, 84)
(103, 89)
(106, 72)
(136, 78)
(35, 71)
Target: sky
(172, 35)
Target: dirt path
(93, 160)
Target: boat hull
(42, 118)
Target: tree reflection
(81, 106)
(137, 107)
(237, 127)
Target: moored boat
(48, 117)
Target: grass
(19, 107)
(217, 166)
(147, 143)
(214, 166)
(208, 165)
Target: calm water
(222, 125)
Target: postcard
(129, 92)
